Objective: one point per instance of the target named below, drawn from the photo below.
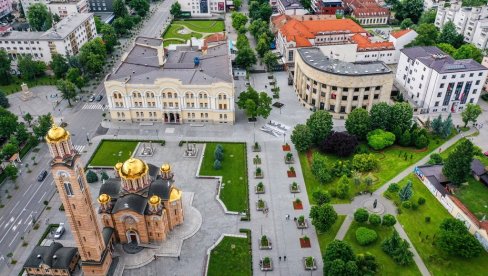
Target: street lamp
(284, 138)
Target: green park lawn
(198, 30)
(225, 260)
(413, 222)
(207, 26)
(16, 82)
(392, 161)
(386, 263)
(327, 237)
(450, 149)
(110, 152)
(234, 193)
(475, 196)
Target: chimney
(39, 256)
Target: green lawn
(198, 28)
(326, 238)
(16, 82)
(387, 265)
(413, 222)
(210, 26)
(225, 260)
(112, 151)
(391, 163)
(475, 196)
(234, 194)
(450, 149)
(173, 30)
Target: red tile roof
(400, 33)
(365, 44)
(366, 8)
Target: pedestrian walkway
(79, 148)
(94, 106)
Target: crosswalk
(79, 148)
(93, 106)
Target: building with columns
(94, 244)
(185, 85)
(322, 83)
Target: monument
(191, 150)
(26, 94)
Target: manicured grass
(16, 82)
(387, 265)
(173, 30)
(225, 260)
(392, 161)
(234, 193)
(475, 196)
(326, 238)
(112, 151)
(210, 26)
(413, 222)
(450, 149)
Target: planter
(258, 176)
(305, 243)
(266, 266)
(261, 208)
(265, 247)
(309, 266)
(289, 160)
(256, 149)
(294, 191)
(291, 173)
(297, 205)
(303, 225)
(257, 191)
(286, 147)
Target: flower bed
(291, 172)
(309, 263)
(289, 158)
(266, 264)
(305, 242)
(259, 189)
(302, 223)
(260, 205)
(294, 188)
(258, 174)
(297, 204)
(286, 147)
(265, 243)
(256, 147)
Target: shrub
(407, 204)
(435, 158)
(393, 188)
(333, 192)
(365, 236)
(320, 197)
(415, 206)
(421, 201)
(340, 143)
(374, 219)
(217, 165)
(427, 219)
(91, 176)
(341, 168)
(421, 142)
(379, 139)
(104, 176)
(364, 162)
(361, 215)
(320, 169)
(389, 220)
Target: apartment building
(203, 8)
(289, 7)
(65, 38)
(5, 7)
(432, 4)
(62, 8)
(435, 82)
(183, 85)
(368, 12)
(322, 83)
(471, 22)
(327, 6)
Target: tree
(428, 16)
(258, 27)
(468, 51)
(59, 65)
(270, 59)
(380, 116)
(28, 118)
(92, 56)
(29, 68)
(427, 35)
(343, 187)
(238, 20)
(5, 61)
(437, 125)
(320, 124)
(379, 139)
(44, 123)
(361, 215)
(359, 123)
(98, 23)
(218, 154)
(406, 192)
(471, 113)
(246, 58)
(109, 37)
(67, 89)
(457, 166)
(242, 42)
(120, 10)
(217, 165)
(91, 177)
(447, 126)
(237, 4)
(450, 36)
(447, 48)
(40, 19)
(175, 9)
(341, 144)
(8, 123)
(255, 104)
(104, 176)
(9, 149)
(74, 75)
(388, 220)
(337, 250)
(3, 100)
(364, 162)
(262, 47)
(374, 219)
(140, 6)
(320, 169)
(406, 23)
(367, 263)
(301, 138)
(401, 115)
(454, 239)
(409, 9)
(56, 18)
(406, 138)
(11, 172)
(398, 249)
(321, 197)
(323, 217)
(435, 158)
(307, 4)
(21, 134)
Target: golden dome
(103, 198)
(175, 194)
(118, 166)
(154, 200)
(165, 167)
(133, 168)
(57, 134)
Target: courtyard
(110, 152)
(179, 32)
(231, 257)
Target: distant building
(328, 6)
(322, 83)
(435, 82)
(203, 8)
(65, 38)
(484, 62)
(62, 8)
(53, 259)
(5, 7)
(368, 12)
(432, 4)
(184, 85)
(400, 39)
(290, 7)
(101, 6)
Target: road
(26, 204)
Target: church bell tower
(70, 181)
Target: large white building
(62, 8)
(65, 38)
(203, 8)
(435, 82)
(289, 7)
(471, 22)
(432, 4)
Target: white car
(59, 231)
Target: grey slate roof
(64, 255)
(107, 233)
(477, 167)
(316, 59)
(160, 188)
(439, 61)
(435, 176)
(291, 4)
(132, 202)
(111, 187)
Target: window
(475, 90)
(444, 77)
(477, 82)
(472, 74)
(355, 98)
(436, 104)
(376, 96)
(441, 86)
(290, 55)
(80, 182)
(439, 94)
(68, 189)
(377, 88)
(334, 87)
(356, 89)
(366, 89)
(453, 76)
(479, 74)
(345, 89)
(344, 98)
(365, 97)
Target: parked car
(99, 98)
(91, 99)
(59, 231)
(42, 176)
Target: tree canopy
(59, 65)
(255, 104)
(175, 9)
(323, 217)
(471, 113)
(301, 137)
(320, 124)
(40, 19)
(246, 57)
(238, 20)
(5, 76)
(450, 36)
(8, 123)
(120, 10)
(457, 166)
(67, 89)
(427, 35)
(454, 239)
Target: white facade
(435, 82)
(62, 8)
(432, 4)
(290, 7)
(401, 40)
(203, 8)
(65, 38)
